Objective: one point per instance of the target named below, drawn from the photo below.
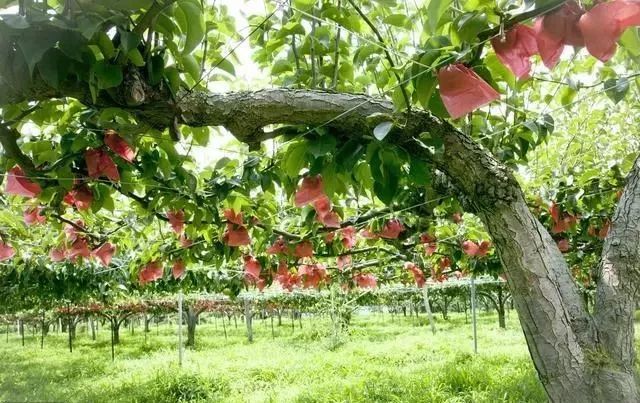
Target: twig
(76, 226)
(145, 21)
(386, 52)
(516, 19)
(336, 67)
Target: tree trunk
(247, 316)
(563, 339)
(445, 308)
(501, 312)
(192, 320)
(43, 324)
(115, 328)
(501, 316)
(21, 329)
(147, 322)
(577, 358)
(72, 329)
(92, 324)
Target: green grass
(379, 361)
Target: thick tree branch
(618, 278)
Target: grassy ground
(380, 361)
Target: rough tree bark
(115, 329)
(248, 317)
(578, 356)
(191, 315)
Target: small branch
(9, 140)
(350, 252)
(294, 48)
(313, 52)
(579, 85)
(23, 114)
(336, 56)
(282, 233)
(366, 19)
(144, 22)
(121, 225)
(516, 19)
(370, 215)
(76, 226)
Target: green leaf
(435, 11)
(332, 183)
(107, 201)
(382, 129)
(425, 86)
(499, 70)
(155, 69)
(89, 24)
(173, 77)
(33, 48)
(128, 40)
(166, 26)
(226, 65)
(136, 58)
(349, 154)
(616, 89)
(72, 44)
(322, 145)
(65, 177)
(630, 40)
(436, 106)
(304, 5)
(546, 121)
(386, 171)
(567, 94)
(200, 135)
(120, 5)
(191, 66)
(469, 25)
(419, 172)
(398, 20)
(267, 184)
(195, 25)
(106, 45)
(53, 67)
(363, 52)
(291, 28)
(386, 3)
(108, 75)
(295, 159)
(281, 66)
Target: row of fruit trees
(274, 305)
